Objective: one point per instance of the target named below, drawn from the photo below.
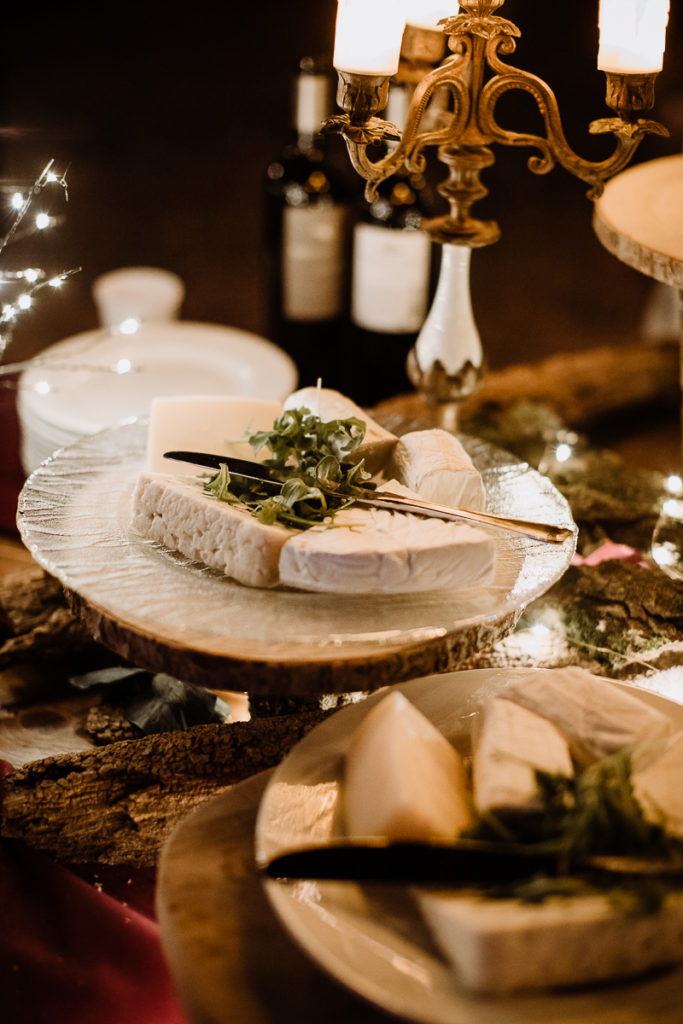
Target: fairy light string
(35, 279)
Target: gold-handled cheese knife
(383, 499)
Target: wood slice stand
(639, 219)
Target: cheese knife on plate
(450, 864)
(382, 499)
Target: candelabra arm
(627, 94)
(360, 96)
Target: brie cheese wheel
(501, 946)
(375, 551)
(657, 781)
(596, 717)
(403, 779)
(328, 404)
(512, 744)
(176, 513)
(435, 464)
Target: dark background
(167, 115)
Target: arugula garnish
(312, 459)
(595, 813)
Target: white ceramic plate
(99, 379)
(372, 940)
(74, 517)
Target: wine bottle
(392, 272)
(308, 232)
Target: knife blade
(384, 499)
(453, 865)
(236, 467)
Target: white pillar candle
(368, 36)
(632, 34)
(428, 13)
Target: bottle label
(389, 279)
(313, 257)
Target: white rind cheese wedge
(176, 513)
(498, 946)
(403, 779)
(657, 781)
(597, 717)
(370, 551)
(375, 551)
(377, 444)
(435, 464)
(512, 744)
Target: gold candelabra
(453, 108)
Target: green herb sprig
(313, 460)
(593, 814)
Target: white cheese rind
(176, 513)
(403, 779)
(657, 781)
(328, 404)
(596, 717)
(375, 551)
(498, 947)
(435, 464)
(512, 744)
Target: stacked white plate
(105, 377)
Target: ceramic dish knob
(142, 294)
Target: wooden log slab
(36, 625)
(117, 804)
(580, 387)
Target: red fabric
(11, 473)
(79, 946)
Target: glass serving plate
(169, 614)
(371, 938)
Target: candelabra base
(447, 363)
(443, 391)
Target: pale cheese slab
(435, 464)
(328, 404)
(498, 947)
(402, 778)
(657, 780)
(597, 717)
(204, 423)
(512, 744)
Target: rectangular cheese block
(176, 513)
(402, 778)
(657, 781)
(502, 946)
(511, 745)
(377, 444)
(435, 464)
(596, 716)
(204, 423)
